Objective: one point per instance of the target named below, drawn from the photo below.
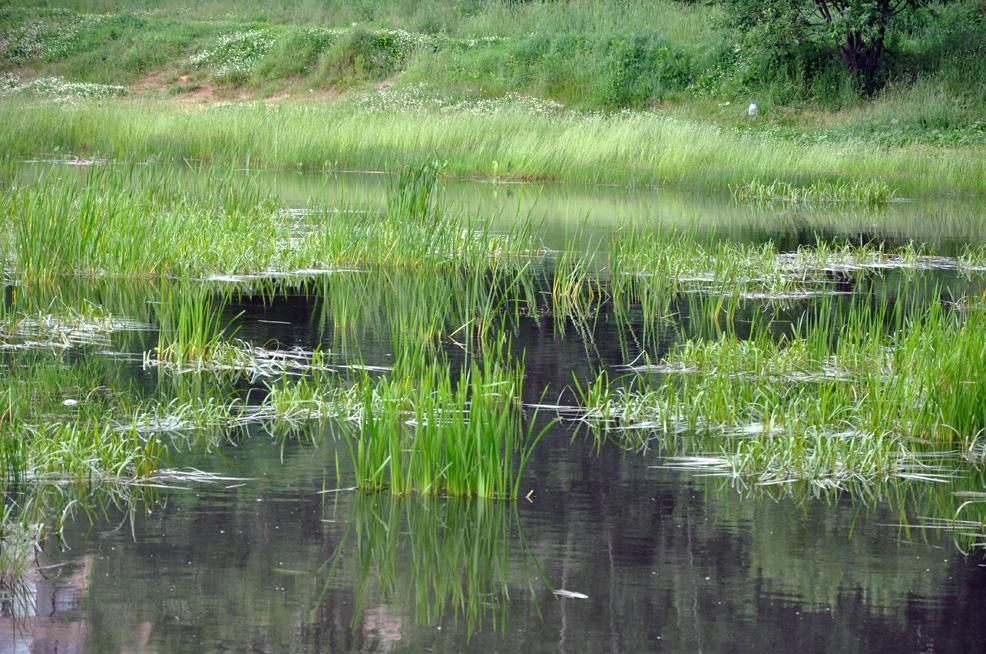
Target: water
(268, 561)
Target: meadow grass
(639, 148)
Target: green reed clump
(870, 192)
(79, 451)
(59, 422)
(940, 386)
(577, 289)
(644, 261)
(423, 429)
(419, 231)
(19, 540)
(826, 459)
(898, 374)
(190, 325)
(122, 222)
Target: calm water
(267, 561)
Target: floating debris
(569, 594)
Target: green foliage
(595, 71)
(806, 41)
(423, 429)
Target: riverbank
(505, 140)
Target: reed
(190, 325)
(421, 430)
(899, 375)
(126, 222)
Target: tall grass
(423, 430)
(190, 325)
(134, 223)
(643, 148)
(127, 222)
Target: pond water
(607, 550)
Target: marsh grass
(118, 221)
(421, 430)
(190, 327)
(826, 460)
(873, 193)
(890, 380)
(63, 328)
(77, 452)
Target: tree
(855, 29)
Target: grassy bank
(537, 90)
(502, 142)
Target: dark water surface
(267, 561)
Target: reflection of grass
(869, 193)
(447, 559)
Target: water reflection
(667, 561)
(40, 611)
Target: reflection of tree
(39, 610)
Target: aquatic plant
(871, 192)
(824, 460)
(190, 327)
(898, 374)
(80, 452)
(421, 430)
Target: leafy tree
(855, 30)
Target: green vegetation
(135, 223)
(466, 438)
(491, 85)
(55, 429)
(826, 402)
(159, 303)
